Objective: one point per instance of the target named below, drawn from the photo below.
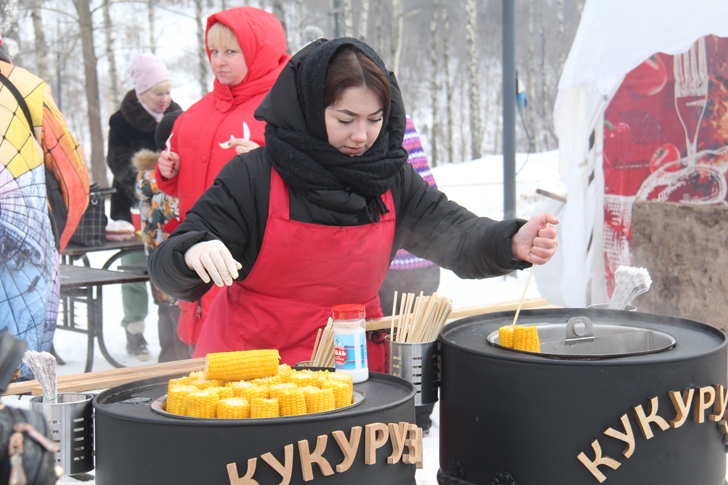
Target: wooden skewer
(315, 345)
(394, 314)
(523, 297)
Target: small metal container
(70, 423)
(418, 364)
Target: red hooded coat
(198, 132)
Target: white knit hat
(146, 71)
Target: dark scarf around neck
(307, 160)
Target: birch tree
(41, 46)
(434, 84)
(397, 30)
(364, 20)
(152, 29)
(476, 117)
(446, 77)
(110, 56)
(200, 21)
(348, 18)
(93, 102)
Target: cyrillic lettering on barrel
(308, 458)
(644, 421)
(627, 436)
(235, 478)
(375, 436)
(348, 448)
(592, 466)
(285, 471)
(414, 444)
(721, 401)
(682, 404)
(397, 434)
(705, 398)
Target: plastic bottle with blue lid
(350, 341)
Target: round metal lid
(673, 338)
(580, 338)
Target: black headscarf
(305, 159)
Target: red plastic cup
(136, 220)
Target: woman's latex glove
(168, 164)
(212, 259)
(536, 240)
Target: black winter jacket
(131, 129)
(235, 210)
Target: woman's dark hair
(350, 68)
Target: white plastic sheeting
(614, 37)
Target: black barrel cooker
(638, 402)
(137, 444)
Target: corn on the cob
(242, 365)
(199, 374)
(342, 377)
(233, 408)
(342, 393)
(202, 403)
(284, 368)
(319, 400)
(248, 390)
(304, 378)
(206, 383)
(264, 408)
(179, 382)
(176, 398)
(505, 336)
(275, 390)
(524, 338)
(291, 401)
(268, 381)
(224, 392)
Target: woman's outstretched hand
(168, 164)
(212, 259)
(536, 240)
(242, 145)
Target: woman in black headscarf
(313, 219)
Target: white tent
(614, 37)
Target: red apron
(301, 272)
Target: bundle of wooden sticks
(420, 319)
(323, 349)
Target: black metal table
(121, 248)
(83, 284)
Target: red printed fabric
(665, 133)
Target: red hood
(262, 40)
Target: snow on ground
(475, 185)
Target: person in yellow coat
(43, 194)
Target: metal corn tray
(580, 338)
(160, 403)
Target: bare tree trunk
(434, 84)
(201, 52)
(397, 28)
(380, 29)
(336, 9)
(562, 47)
(448, 85)
(152, 30)
(364, 20)
(580, 6)
(301, 23)
(280, 14)
(41, 47)
(98, 165)
(111, 58)
(11, 30)
(545, 103)
(348, 17)
(476, 117)
(531, 71)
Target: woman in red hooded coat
(246, 48)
